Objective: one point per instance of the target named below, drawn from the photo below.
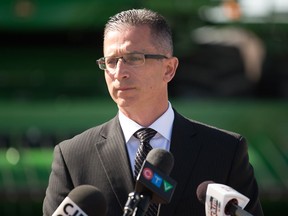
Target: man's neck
(144, 116)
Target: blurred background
(233, 74)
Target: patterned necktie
(144, 135)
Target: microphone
(153, 183)
(83, 200)
(220, 199)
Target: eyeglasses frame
(146, 56)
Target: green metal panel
(45, 14)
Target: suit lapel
(185, 149)
(113, 156)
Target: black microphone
(153, 183)
(221, 199)
(84, 200)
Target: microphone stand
(142, 206)
(132, 202)
(235, 210)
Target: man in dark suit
(138, 66)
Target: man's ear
(171, 67)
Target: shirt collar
(163, 125)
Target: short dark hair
(160, 29)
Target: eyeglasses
(132, 59)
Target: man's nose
(121, 70)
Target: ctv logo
(156, 179)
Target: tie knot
(145, 134)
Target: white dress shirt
(163, 126)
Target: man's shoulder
(205, 128)
(91, 135)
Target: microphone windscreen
(161, 159)
(201, 191)
(89, 199)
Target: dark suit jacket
(99, 157)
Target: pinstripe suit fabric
(99, 157)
